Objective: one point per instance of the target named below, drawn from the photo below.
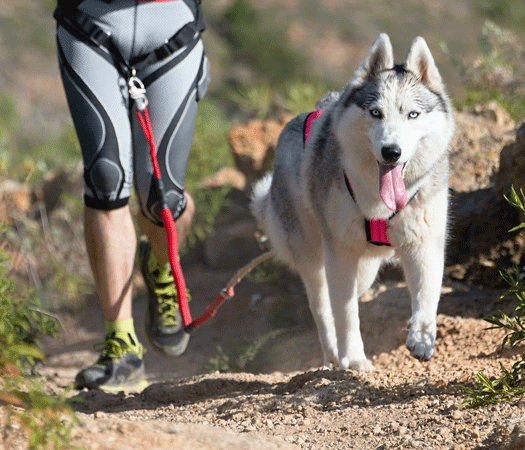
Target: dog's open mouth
(392, 187)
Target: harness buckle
(99, 37)
(165, 50)
(94, 33)
(137, 91)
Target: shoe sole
(172, 351)
(137, 386)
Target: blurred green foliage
(42, 420)
(497, 73)
(261, 44)
(242, 355)
(505, 12)
(510, 387)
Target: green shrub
(511, 385)
(44, 421)
(242, 356)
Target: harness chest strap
(376, 229)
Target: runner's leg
(101, 119)
(111, 246)
(157, 235)
(98, 102)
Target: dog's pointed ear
(420, 62)
(380, 57)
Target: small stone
(402, 431)
(376, 430)
(456, 415)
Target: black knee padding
(105, 178)
(175, 202)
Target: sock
(123, 329)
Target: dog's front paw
(359, 365)
(421, 340)
(331, 362)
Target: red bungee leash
(138, 93)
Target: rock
(512, 165)
(475, 151)
(497, 119)
(227, 176)
(55, 183)
(480, 245)
(253, 146)
(15, 198)
(21, 198)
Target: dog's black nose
(391, 153)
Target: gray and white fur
(389, 131)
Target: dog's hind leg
(341, 272)
(314, 279)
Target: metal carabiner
(137, 91)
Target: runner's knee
(104, 182)
(176, 203)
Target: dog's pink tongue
(392, 186)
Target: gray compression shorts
(114, 149)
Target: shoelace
(113, 348)
(163, 286)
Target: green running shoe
(164, 328)
(119, 367)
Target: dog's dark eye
(413, 115)
(376, 114)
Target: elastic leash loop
(138, 93)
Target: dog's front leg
(341, 272)
(423, 264)
(424, 282)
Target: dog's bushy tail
(259, 200)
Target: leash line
(167, 217)
(228, 291)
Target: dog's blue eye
(413, 115)
(376, 114)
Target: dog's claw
(421, 343)
(421, 353)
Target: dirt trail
(291, 403)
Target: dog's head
(398, 107)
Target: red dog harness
(376, 229)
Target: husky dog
(375, 163)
